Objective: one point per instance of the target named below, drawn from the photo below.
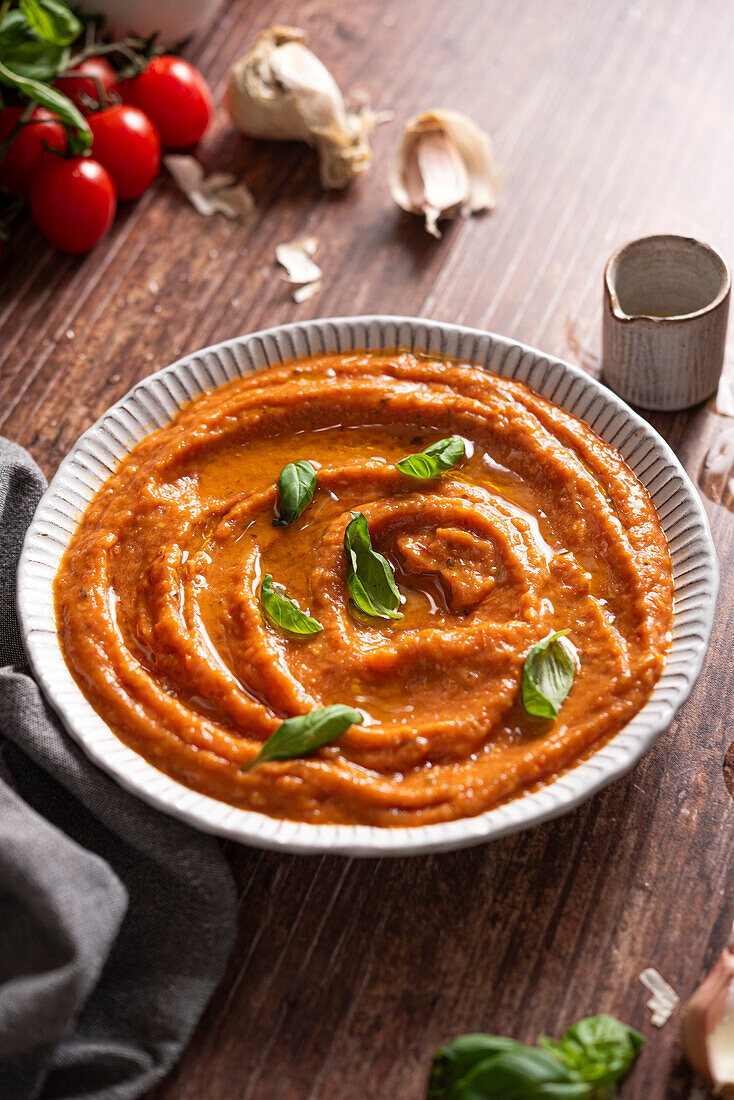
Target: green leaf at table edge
(535, 701)
(282, 612)
(454, 1060)
(380, 606)
(296, 485)
(601, 1049)
(434, 460)
(492, 1067)
(305, 733)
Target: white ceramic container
(173, 20)
(156, 399)
(666, 307)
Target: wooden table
(612, 120)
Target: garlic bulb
(707, 1025)
(281, 91)
(445, 167)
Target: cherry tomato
(81, 85)
(8, 118)
(26, 149)
(126, 142)
(73, 201)
(175, 96)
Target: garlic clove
(280, 90)
(707, 1025)
(445, 166)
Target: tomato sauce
(541, 527)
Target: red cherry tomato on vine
(80, 86)
(126, 142)
(8, 118)
(175, 96)
(72, 201)
(26, 150)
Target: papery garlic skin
(281, 91)
(707, 1025)
(445, 166)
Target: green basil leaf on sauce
(437, 458)
(370, 579)
(283, 612)
(306, 732)
(547, 676)
(600, 1049)
(296, 485)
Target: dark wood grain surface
(612, 119)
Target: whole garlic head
(281, 91)
(446, 166)
(707, 1025)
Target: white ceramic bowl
(156, 399)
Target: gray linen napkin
(115, 921)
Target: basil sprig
(547, 676)
(306, 732)
(584, 1065)
(52, 20)
(283, 612)
(296, 485)
(370, 579)
(34, 49)
(437, 458)
(599, 1048)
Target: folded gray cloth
(115, 921)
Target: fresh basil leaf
(454, 1061)
(600, 1049)
(296, 485)
(35, 60)
(80, 136)
(51, 20)
(522, 1073)
(283, 612)
(547, 676)
(369, 578)
(26, 54)
(306, 732)
(437, 458)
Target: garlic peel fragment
(445, 166)
(281, 91)
(707, 1025)
(296, 258)
(664, 998)
(218, 193)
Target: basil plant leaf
(296, 486)
(600, 1049)
(80, 136)
(437, 458)
(51, 20)
(547, 676)
(522, 1073)
(306, 732)
(26, 54)
(454, 1061)
(369, 578)
(283, 612)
